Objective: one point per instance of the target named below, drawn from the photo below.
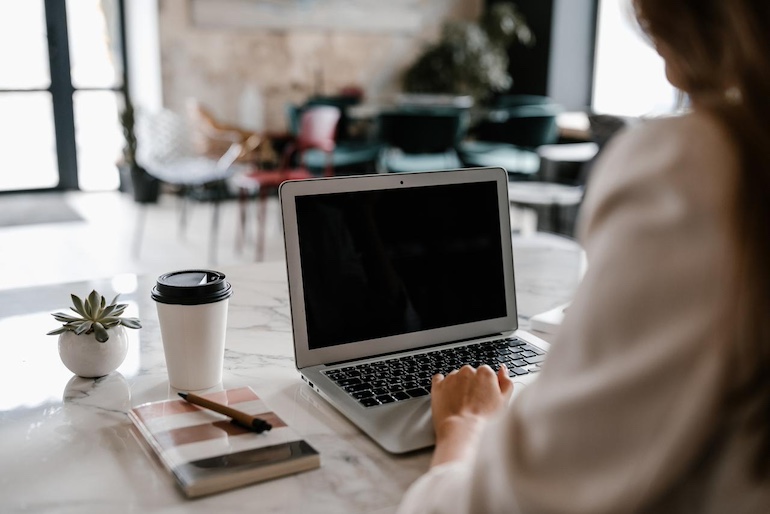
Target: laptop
(394, 277)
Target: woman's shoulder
(693, 151)
(693, 128)
(687, 162)
(684, 142)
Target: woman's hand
(461, 403)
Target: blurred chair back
(528, 126)
(348, 157)
(341, 102)
(422, 130)
(424, 139)
(510, 133)
(317, 129)
(162, 138)
(164, 149)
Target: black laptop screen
(381, 263)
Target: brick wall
(246, 67)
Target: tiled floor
(103, 245)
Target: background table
(67, 444)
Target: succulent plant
(95, 317)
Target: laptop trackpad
(401, 427)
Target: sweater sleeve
(443, 489)
(627, 398)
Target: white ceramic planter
(88, 358)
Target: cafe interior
(146, 135)
(140, 137)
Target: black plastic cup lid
(191, 287)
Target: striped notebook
(206, 453)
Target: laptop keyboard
(404, 378)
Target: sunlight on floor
(103, 245)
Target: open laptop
(394, 277)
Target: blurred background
(124, 110)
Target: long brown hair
(721, 52)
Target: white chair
(164, 149)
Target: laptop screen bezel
(290, 190)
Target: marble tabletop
(67, 445)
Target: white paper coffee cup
(192, 311)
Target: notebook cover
(206, 453)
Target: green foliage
(95, 317)
(471, 58)
(506, 26)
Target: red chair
(316, 131)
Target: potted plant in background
(471, 58)
(93, 343)
(133, 178)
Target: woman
(655, 396)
